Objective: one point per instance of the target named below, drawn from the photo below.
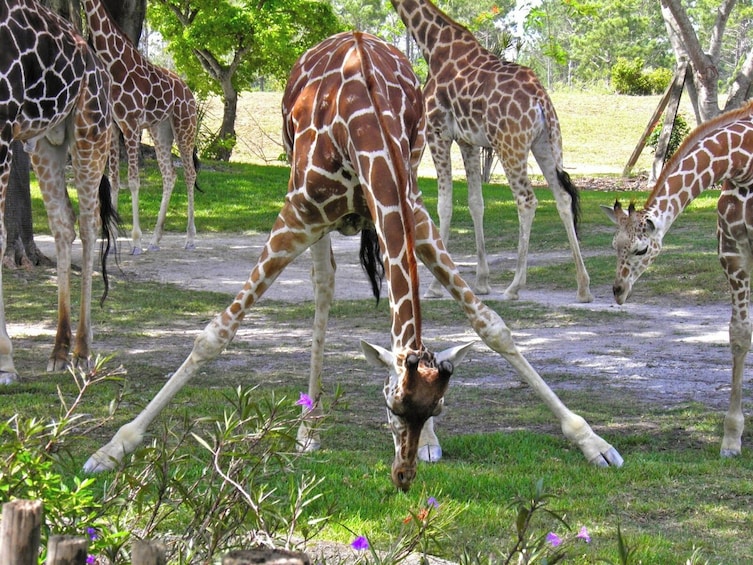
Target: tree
(705, 64)
(223, 46)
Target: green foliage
(679, 132)
(214, 41)
(628, 77)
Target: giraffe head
(414, 392)
(638, 241)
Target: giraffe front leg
(163, 142)
(734, 421)
(323, 278)
(440, 154)
(496, 335)
(8, 372)
(472, 160)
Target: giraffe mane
(698, 133)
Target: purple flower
(91, 560)
(553, 539)
(305, 401)
(583, 534)
(91, 533)
(432, 502)
(360, 543)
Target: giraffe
(354, 132)
(718, 151)
(53, 97)
(145, 96)
(478, 100)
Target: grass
(673, 494)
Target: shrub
(628, 77)
(679, 132)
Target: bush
(679, 132)
(628, 77)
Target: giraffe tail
(572, 190)
(196, 167)
(371, 260)
(111, 226)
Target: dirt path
(665, 353)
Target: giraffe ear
(454, 355)
(377, 356)
(610, 212)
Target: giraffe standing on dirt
(354, 131)
(478, 100)
(145, 96)
(718, 151)
(53, 97)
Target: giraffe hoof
(610, 458)
(153, 247)
(727, 453)
(8, 378)
(190, 246)
(136, 250)
(433, 293)
(430, 453)
(585, 297)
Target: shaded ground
(663, 352)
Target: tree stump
(67, 550)
(20, 532)
(145, 552)
(265, 557)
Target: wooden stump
(265, 557)
(67, 550)
(20, 532)
(145, 552)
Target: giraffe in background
(718, 151)
(354, 131)
(53, 97)
(478, 100)
(145, 96)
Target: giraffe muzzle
(403, 476)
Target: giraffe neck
(433, 30)
(718, 150)
(110, 43)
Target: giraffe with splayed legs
(478, 100)
(718, 151)
(145, 96)
(354, 130)
(53, 97)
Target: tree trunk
(21, 250)
(222, 146)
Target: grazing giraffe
(354, 131)
(478, 100)
(145, 96)
(53, 97)
(718, 151)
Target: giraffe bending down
(354, 130)
(720, 150)
(53, 97)
(145, 96)
(478, 100)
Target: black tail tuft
(572, 190)
(110, 228)
(371, 260)
(196, 167)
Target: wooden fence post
(20, 531)
(67, 550)
(145, 552)
(265, 557)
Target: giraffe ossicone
(53, 97)
(145, 96)
(353, 127)
(479, 100)
(718, 151)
